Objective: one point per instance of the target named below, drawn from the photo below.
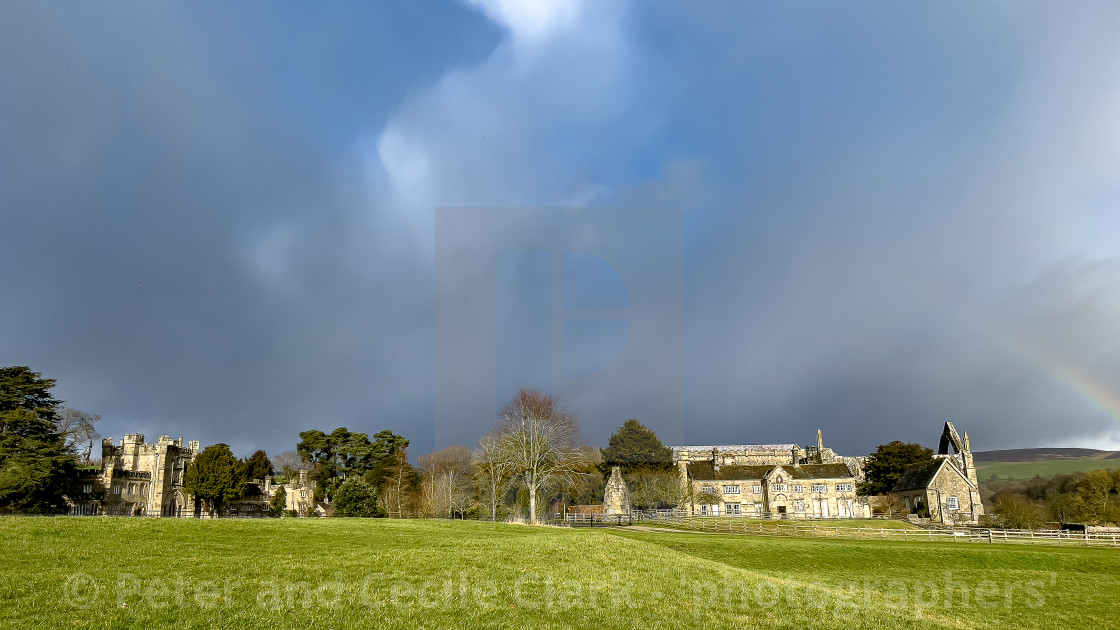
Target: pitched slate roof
(704, 471)
(745, 448)
(919, 476)
(819, 471)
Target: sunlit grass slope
(1026, 470)
(291, 573)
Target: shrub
(356, 498)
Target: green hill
(1042, 454)
(1025, 463)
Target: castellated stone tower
(145, 479)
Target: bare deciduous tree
(290, 463)
(398, 491)
(445, 486)
(494, 472)
(539, 439)
(78, 431)
(890, 504)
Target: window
(704, 509)
(731, 489)
(758, 489)
(732, 509)
(819, 487)
(797, 487)
(843, 487)
(799, 506)
(87, 488)
(116, 488)
(303, 494)
(952, 503)
(778, 487)
(758, 509)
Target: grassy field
(126, 573)
(873, 523)
(1027, 470)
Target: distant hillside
(1042, 454)
(993, 467)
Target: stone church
(945, 489)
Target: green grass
(873, 523)
(292, 573)
(1046, 468)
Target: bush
(1018, 512)
(356, 498)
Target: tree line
(1085, 497)
(533, 460)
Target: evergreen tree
(355, 497)
(342, 454)
(886, 465)
(215, 476)
(258, 466)
(634, 447)
(36, 470)
(20, 388)
(277, 502)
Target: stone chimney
(795, 457)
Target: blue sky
(738, 222)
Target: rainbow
(1073, 377)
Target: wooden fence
(981, 535)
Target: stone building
(771, 481)
(137, 478)
(141, 479)
(947, 488)
(765, 455)
(299, 495)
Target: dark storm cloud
(220, 223)
(178, 251)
